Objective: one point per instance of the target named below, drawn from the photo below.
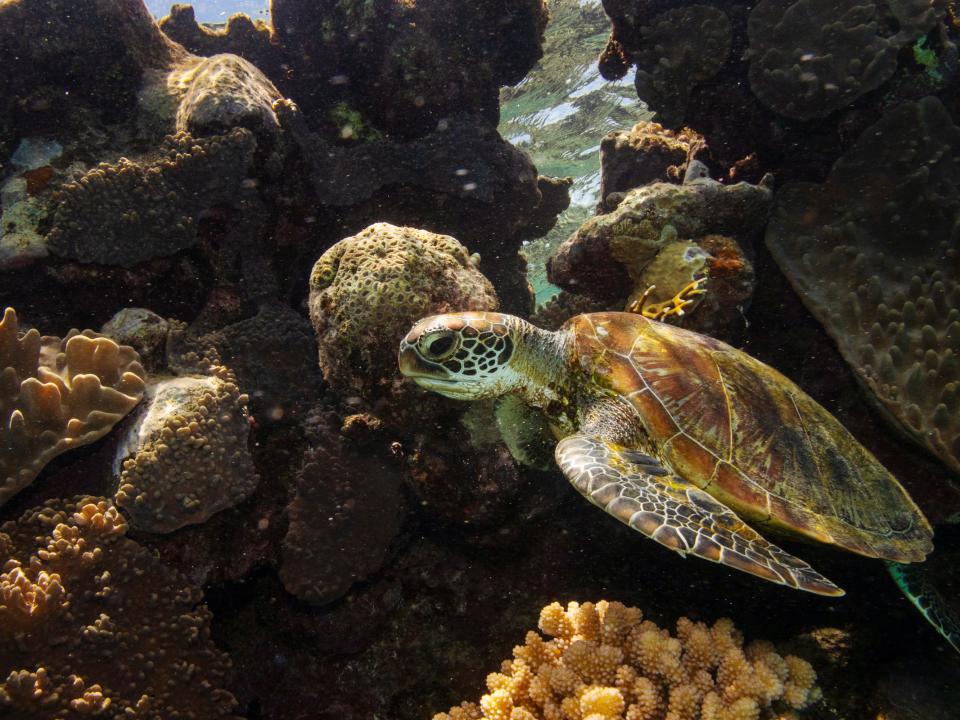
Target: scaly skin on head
(474, 355)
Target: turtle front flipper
(638, 490)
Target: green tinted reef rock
(811, 57)
(874, 254)
(666, 235)
(131, 211)
(367, 290)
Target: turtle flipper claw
(641, 492)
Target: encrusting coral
(185, 457)
(56, 395)
(347, 509)
(873, 253)
(682, 47)
(92, 624)
(368, 289)
(809, 57)
(604, 662)
(104, 216)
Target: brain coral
(92, 624)
(185, 457)
(347, 510)
(367, 290)
(874, 254)
(105, 215)
(810, 57)
(58, 394)
(603, 662)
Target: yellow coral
(604, 662)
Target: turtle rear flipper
(638, 490)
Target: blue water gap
(215, 11)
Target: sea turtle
(680, 436)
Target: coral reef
(56, 395)
(222, 92)
(408, 64)
(185, 457)
(667, 235)
(347, 509)
(873, 253)
(368, 289)
(680, 48)
(105, 215)
(647, 153)
(605, 661)
(808, 58)
(144, 331)
(92, 624)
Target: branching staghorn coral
(604, 662)
(58, 394)
(92, 624)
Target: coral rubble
(184, 457)
(58, 394)
(92, 624)
(603, 661)
(873, 252)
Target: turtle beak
(409, 361)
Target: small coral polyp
(56, 395)
(603, 661)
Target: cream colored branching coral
(92, 624)
(604, 662)
(58, 394)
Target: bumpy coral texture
(105, 215)
(604, 662)
(368, 290)
(186, 457)
(58, 394)
(873, 252)
(682, 48)
(92, 624)
(346, 511)
(811, 57)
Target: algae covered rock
(368, 290)
(664, 236)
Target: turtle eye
(439, 345)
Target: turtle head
(463, 355)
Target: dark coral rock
(347, 510)
(407, 65)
